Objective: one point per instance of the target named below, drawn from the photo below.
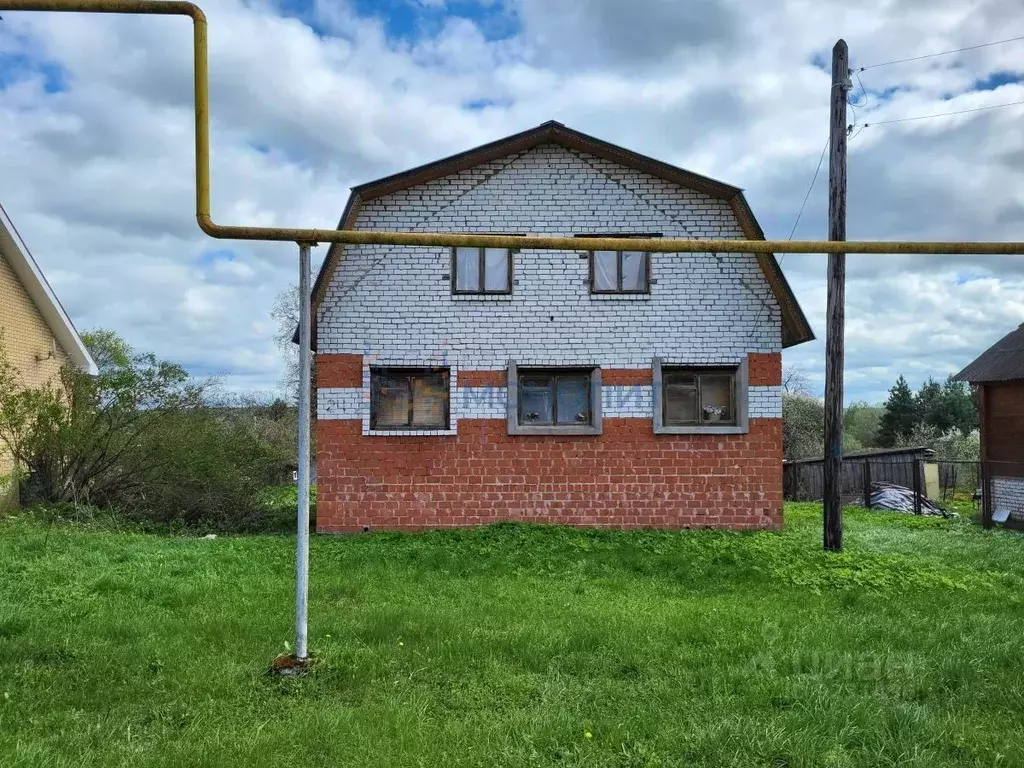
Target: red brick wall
(626, 478)
(764, 369)
(339, 370)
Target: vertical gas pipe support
(305, 387)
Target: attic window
(620, 271)
(481, 270)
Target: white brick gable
(395, 302)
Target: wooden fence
(804, 479)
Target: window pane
(429, 400)
(392, 405)
(573, 399)
(680, 405)
(467, 269)
(716, 398)
(496, 269)
(634, 271)
(606, 276)
(534, 381)
(534, 405)
(678, 377)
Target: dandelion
(588, 735)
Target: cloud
(603, 33)
(311, 98)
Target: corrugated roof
(795, 328)
(1003, 361)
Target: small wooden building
(997, 377)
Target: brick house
(997, 377)
(36, 333)
(467, 386)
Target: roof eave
(42, 296)
(795, 327)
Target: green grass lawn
(518, 645)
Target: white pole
(302, 554)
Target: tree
(795, 381)
(861, 423)
(141, 437)
(947, 406)
(901, 415)
(803, 426)
(931, 406)
(285, 314)
(960, 405)
(83, 438)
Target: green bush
(144, 439)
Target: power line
(946, 114)
(799, 214)
(806, 196)
(942, 53)
(863, 90)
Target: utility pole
(836, 322)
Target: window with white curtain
(625, 271)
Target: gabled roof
(1003, 361)
(795, 328)
(31, 277)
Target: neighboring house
(998, 380)
(36, 333)
(467, 386)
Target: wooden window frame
(740, 399)
(595, 427)
(618, 259)
(410, 372)
(618, 270)
(482, 257)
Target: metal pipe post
(305, 387)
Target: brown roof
(795, 328)
(1003, 361)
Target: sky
(311, 98)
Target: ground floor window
(698, 399)
(695, 396)
(554, 400)
(409, 398)
(554, 397)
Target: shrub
(142, 438)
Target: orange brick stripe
(622, 377)
(764, 369)
(347, 371)
(482, 378)
(339, 370)
(609, 377)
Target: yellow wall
(30, 347)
